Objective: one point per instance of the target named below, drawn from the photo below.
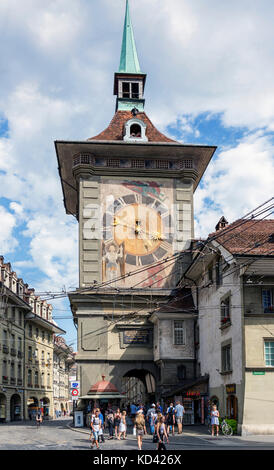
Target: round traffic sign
(75, 392)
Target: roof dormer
(135, 131)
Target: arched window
(135, 130)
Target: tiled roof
(115, 130)
(251, 237)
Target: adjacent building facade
(232, 282)
(26, 354)
(63, 361)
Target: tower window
(126, 90)
(135, 130)
(130, 90)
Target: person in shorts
(96, 425)
(179, 413)
(140, 425)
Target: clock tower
(131, 190)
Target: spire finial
(129, 62)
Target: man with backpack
(151, 417)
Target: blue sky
(210, 75)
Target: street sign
(75, 392)
(258, 372)
(75, 384)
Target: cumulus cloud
(8, 241)
(239, 179)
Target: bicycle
(224, 427)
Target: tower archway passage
(138, 386)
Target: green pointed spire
(129, 62)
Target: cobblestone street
(59, 435)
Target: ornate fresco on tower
(138, 233)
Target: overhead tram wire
(242, 221)
(229, 229)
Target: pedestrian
(170, 415)
(101, 432)
(159, 408)
(117, 420)
(179, 413)
(122, 426)
(96, 425)
(161, 433)
(110, 422)
(39, 419)
(133, 411)
(151, 417)
(214, 420)
(140, 425)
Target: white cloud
(238, 181)
(8, 242)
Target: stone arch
(3, 407)
(139, 385)
(15, 407)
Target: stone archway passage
(33, 406)
(45, 406)
(138, 386)
(15, 407)
(3, 408)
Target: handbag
(155, 438)
(134, 431)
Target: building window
(226, 359)
(19, 344)
(210, 273)
(30, 353)
(178, 332)
(48, 380)
(267, 299)
(232, 407)
(29, 377)
(218, 272)
(43, 379)
(20, 318)
(225, 311)
(37, 332)
(43, 336)
(30, 331)
(135, 130)
(269, 353)
(130, 90)
(19, 371)
(36, 382)
(49, 338)
(181, 372)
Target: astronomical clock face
(137, 233)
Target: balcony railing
(13, 352)
(5, 349)
(12, 380)
(5, 379)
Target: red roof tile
(115, 130)
(251, 237)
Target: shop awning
(102, 396)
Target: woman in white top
(122, 426)
(96, 425)
(214, 420)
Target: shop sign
(193, 393)
(258, 372)
(231, 388)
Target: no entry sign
(75, 392)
